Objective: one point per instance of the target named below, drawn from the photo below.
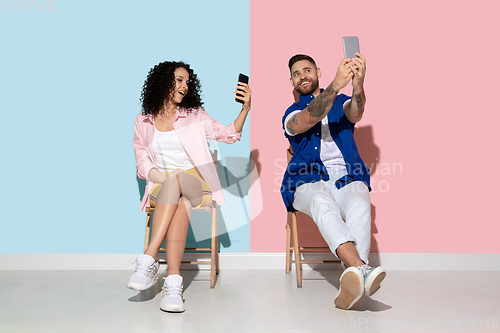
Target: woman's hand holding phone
(243, 92)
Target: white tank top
(169, 152)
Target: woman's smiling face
(181, 77)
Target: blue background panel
(70, 82)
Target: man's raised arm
(319, 107)
(354, 109)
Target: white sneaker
(351, 288)
(372, 278)
(146, 273)
(171, 294)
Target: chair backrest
(214, 157)
(289, 154)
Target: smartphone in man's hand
(351, 46)
(244, 79)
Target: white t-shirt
(330, 154)
(169, 152)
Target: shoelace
(365, 269)
(171, 290)
(143, 268)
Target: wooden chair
(213, 249)
(291, 231)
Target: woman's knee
(194, 201)
(169, 192)
(171, 182)
(185, 202)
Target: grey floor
(248, 301)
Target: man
(326, 177)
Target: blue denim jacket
(306, 165)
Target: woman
(172, 154)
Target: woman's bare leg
(176, 236)
(161, 219)
(167, 205)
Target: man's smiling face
(305, 77)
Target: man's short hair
(299, 57)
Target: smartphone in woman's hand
(244, 79)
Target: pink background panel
(430, 130)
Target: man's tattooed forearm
(358, 103)
(293, 120)
(321, 104)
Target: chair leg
(213, 248)
(296, 250)
(216, 242)
(287, 251)
(148, 230)
(217, 255)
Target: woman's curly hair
(160, 84)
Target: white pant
(328, 206)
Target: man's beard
(314, 84)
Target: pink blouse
(192, 129)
